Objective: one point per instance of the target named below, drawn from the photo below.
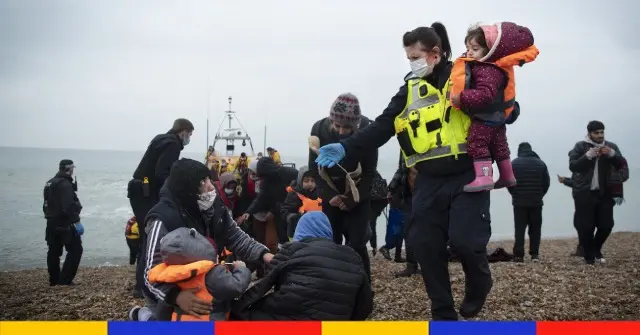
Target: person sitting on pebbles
(313, 279)
(188, 200)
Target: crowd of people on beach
(201, 231)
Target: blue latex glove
(618, 200)
(330, 154)
(79, 228)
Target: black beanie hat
(595, 126)
(185, 178)
(65, 164)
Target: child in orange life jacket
(189, 260)
(302, 198)
(483, 86)
(132, 236)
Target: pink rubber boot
(507, 179)
(484, 177)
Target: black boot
(579, 251)
(385, 253)
(474, 301)
(410, 270)
(398, 258)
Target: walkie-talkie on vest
(145, 187)
(415, 123)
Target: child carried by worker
(302, 198)
(483, 86)
(189, 261)
(132, 235)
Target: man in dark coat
(533, 183)
(62, 210)
(592, 161)
(152, 171)
(313, 279)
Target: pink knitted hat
(490, 34)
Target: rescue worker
(62, 209)
(274, 154)
(302, 197)
(132, 235)
(432, 135)
(152, 171)
(348, 216)
(188, 199)
(592, 161)
(273, 180)
(242, 164)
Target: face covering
(254, 177)
(421, 68)
(186, 141)
(229, 191)
(206, 200)
(257, 186)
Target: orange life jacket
(187, 276)
(460, 75)
(308, 204)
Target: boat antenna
(264, 140)
(208, 107)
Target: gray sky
(111, 74)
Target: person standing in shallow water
(62, 210)
(441, 211)
(348, 217)
(591, 161)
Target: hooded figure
(533, 184)
(189, 200)
(336, 287)
(272, 180)
(302, 198)
(227, 185)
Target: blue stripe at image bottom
(482, 328)
(159, 328)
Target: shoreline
(559, 287)
(493, 244)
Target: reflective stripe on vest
(429, 127)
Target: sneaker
(590, 261)
(133, 313)
(518, 259)
(385, 253)
(600, 258)
(579, 252)
(138, 294)
(374, 251)
(535, 258)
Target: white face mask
(206, 200)
(421, 68)
(229, 191)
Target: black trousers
(59, 238)
(523, 218)
(354, 226)
(141, 207)
(411, 257)
(594, 218)
(134, 249)
(443, 212)
(377, 206)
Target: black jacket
(156, 163)
(583, 167)
(61, 205)
(313, 279)
(274, 180)
(368, 159)
(532, 178)
(399, 187)
(382, 129)
(168, 214)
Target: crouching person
(189, 261)
(302, 198)
(335, 284)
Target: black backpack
(378, 187)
